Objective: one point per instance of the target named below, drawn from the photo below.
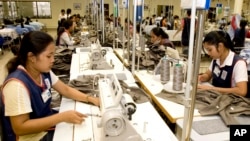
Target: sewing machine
(116, 111)
(104, 119)
(97, 57)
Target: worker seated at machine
(94, 57)
(228, 71)
(64, 37)
(116, 111)
(114, 119)
(97, 57)
(158, 45)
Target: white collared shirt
(239, 70)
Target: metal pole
(123, 34)
(103, 26)
(197, 58)
(189, 74)
(93, 14)
(128, 36)
(140, 33)
(134, 38)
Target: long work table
(152, 84)
(146, 120)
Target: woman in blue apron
(227, 70)
(26, 92)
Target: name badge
(216, 71)
(224, 75)
(46, 95)
(47, 83)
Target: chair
(8, 41)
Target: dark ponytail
(12, 64)
(35, 42)
(158, 31)
(216, 37)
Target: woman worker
(227, 70)
(160, 37)
(26, 95)
(159, 44)
(64, 37)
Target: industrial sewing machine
(116, 111)
(97, 57)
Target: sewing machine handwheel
(104, 52)
(114, 123)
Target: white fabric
(239, 70)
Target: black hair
(150, 21)
(243, 23)
(158, 31)
(163, 18)
(109, 19)
(35, 42)
(72, 16)
(62, 10)
(28, 20)
(130, 22)
(68, 11)
(220, 36)
(78, 16)
(66, 24)
(176, 17)
(138, 27)
(240, 34)
(188, 12)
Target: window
(42, 9)
(14, 9)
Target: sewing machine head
(114, 123)
(97, 57)
(110, 92)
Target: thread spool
(165, 71)
(178, 77)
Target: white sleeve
(211, 66)
(16, 98)
(240, 72)
(59, 17)
(66, 39)
(54, 78)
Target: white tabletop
(145, 120)
(120, 54)
(80, 58)
(153, 85)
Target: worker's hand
(204, 87)
(94, 100)
(77, 42)
(72, 116)
(201, 78)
